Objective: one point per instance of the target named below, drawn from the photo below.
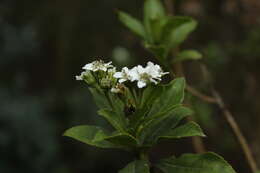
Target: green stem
(143, 155)
(109, 100)
(134, 96)
(140, 95)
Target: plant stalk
(237, 131)
(232, 123)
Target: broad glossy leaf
(150, 95)
(133, 24)
(137, 166)
(117, 120)
(188, 55)
(122, 139)
(187, 130)
(196, 163)
(172, 94)
(91, 135)
(161, 123)
(177, 30)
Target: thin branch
(232, 122)
(200, 95)
(240, 137)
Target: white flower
(80, 77)
(155, 70)
(124, 75)
(144, 75)
(98, 66)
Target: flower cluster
(152, 73)
(143, 75)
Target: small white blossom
(124, 75)
(152, 73)
(98, 66)
(155, 70)
(144, 75)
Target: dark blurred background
(44, 44)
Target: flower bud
(89, 78)
(105, 83)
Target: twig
(200, 95)
(240, 137)
(232, 122)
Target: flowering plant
(142, 107)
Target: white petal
(109, 63)
(141, 84)
(118, 75)
(133, 75)
(150, 63)
(125, 70)
(88, 66)
(154, 81)
(140, 69)
(102, 68)
(122, 80)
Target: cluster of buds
(106, 76)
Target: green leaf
(137, 166)
(117, 104)
(159, 51)
(138, 118)
(117, 120)
(157, 26)
(196, 163)
(177, 30)
(122, 139)
(91, 135)
(161, 123)
(188, 55)
(172, 94)
(150, 94)
(100, 98)
(133, 24)
(187, 130)
(153, 9)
